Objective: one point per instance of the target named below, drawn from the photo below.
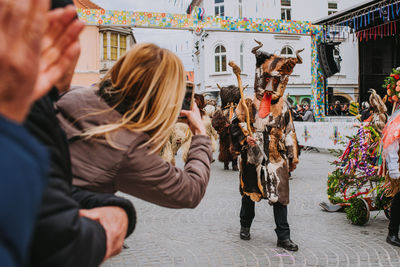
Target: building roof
(356, 10)
(86, 4)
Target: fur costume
(230, 97)
(379, 115)
(264, 168)
(181, 136)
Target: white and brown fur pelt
(379, 114)
(230, 97)
(211, 107)
(181, 136)
(275, 134)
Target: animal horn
(219, 86)
(299, 59)
(254, 50)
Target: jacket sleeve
(392, 160)
(61, 236)
(90, 200)
(145, 175)
(307, 116)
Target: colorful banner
(188, 22)
(197, 22)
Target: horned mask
(272, 75)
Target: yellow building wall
(87, 69)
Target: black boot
(245, 233)
(235, 166)
(226, 165)
(288, 245)
(393, 240)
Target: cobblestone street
(209, 234)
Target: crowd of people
(65, 153)
(338, 109)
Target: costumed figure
(267, 157)
(230, 97)
(379, 115)
(391, 151)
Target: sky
(178, 41)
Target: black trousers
(247, 213)
(395, 215)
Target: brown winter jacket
(129, 168)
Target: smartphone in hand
(189, 97)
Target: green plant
(357, 213)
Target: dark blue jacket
(23, 167)
(61, 236)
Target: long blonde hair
(152, 81)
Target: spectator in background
(366, 112)
(337, 110)
(300, 110)
(308, 114)
(345, 110)
(331, 111)
(74, 227)
(23, 161)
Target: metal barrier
(325, 135)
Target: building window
(105, 45)
(219, 8)
(332, 7)
(286, 12)
(241, 56)
(240, 9)
(220, 58)
(287, 51)
(114, 45)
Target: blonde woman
(116, 131)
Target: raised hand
(22, 25)
(194, 120)
(60, 50)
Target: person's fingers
(35, 18)
(91, 214)
(54, 27)
(54, 73)
(55, 52)
(58, 21)
(184, 113)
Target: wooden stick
(237, 71)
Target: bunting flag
(381, 31)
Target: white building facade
(214, 49)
